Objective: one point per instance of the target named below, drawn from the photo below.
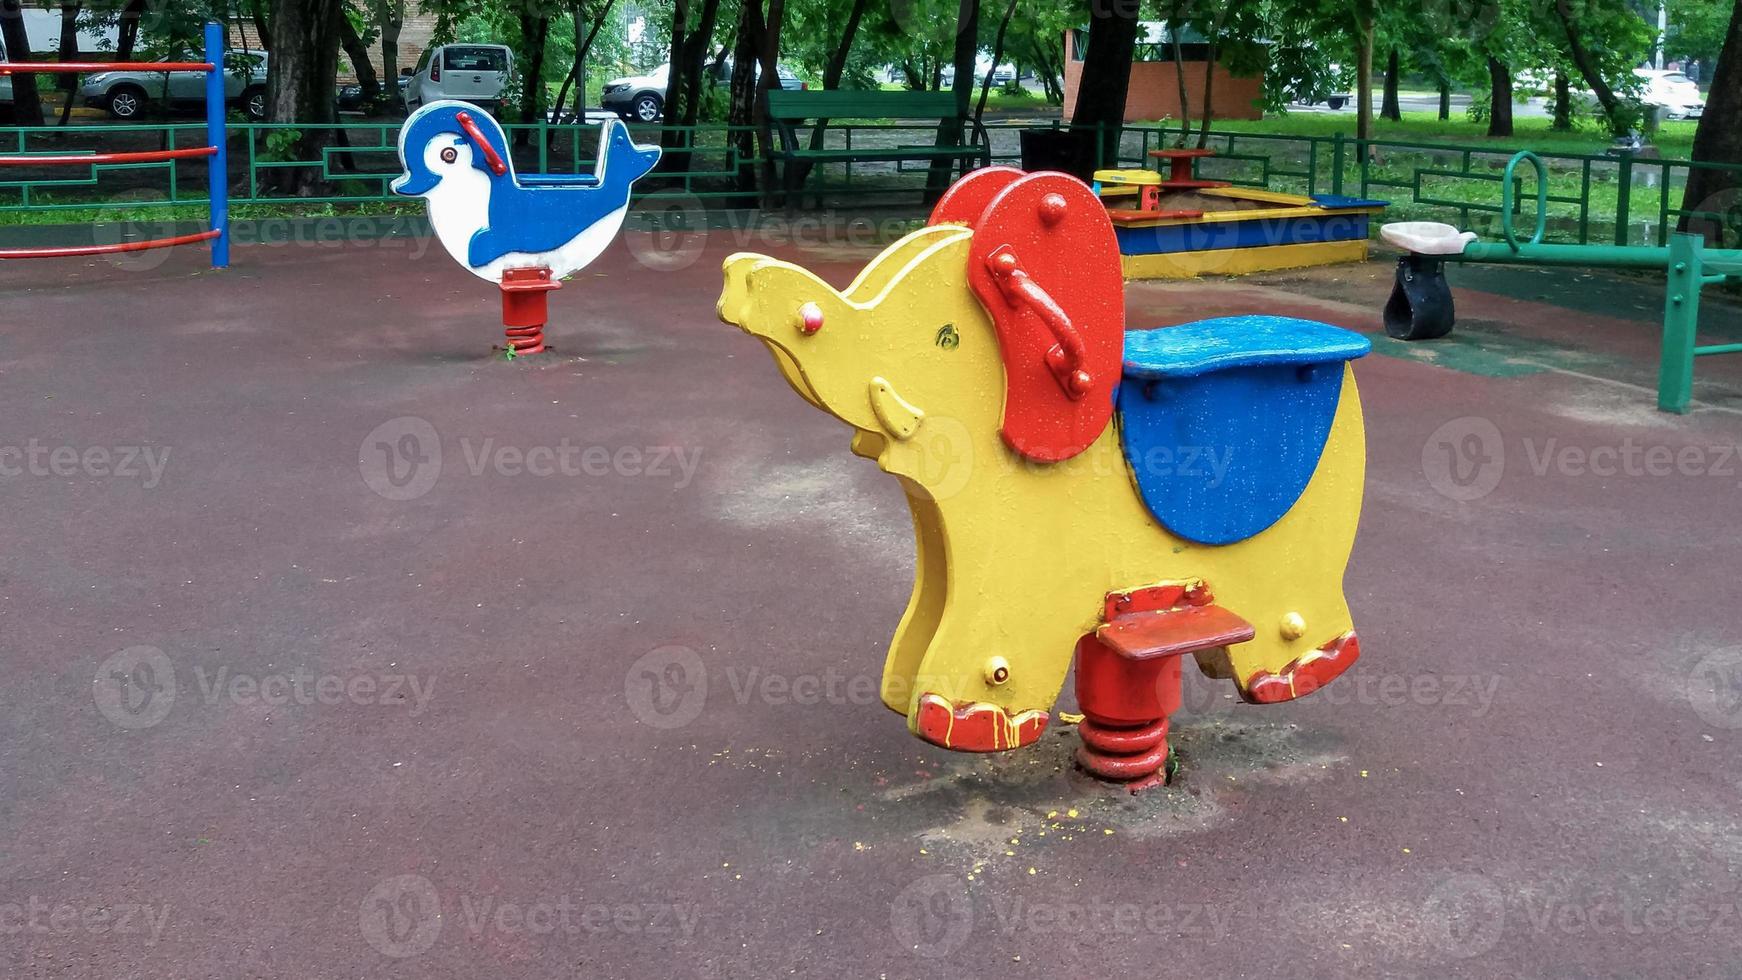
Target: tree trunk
(997, 56)
(951, 132)
(676, 76)
(534, 32)
(390, 23)
(1390, 108)
(1179, 74)
(262, 24)
(1719, 140)
(69, 51)
(1049, 72)
(1106, 82)
(743, 112)
(769, 50)
(1499, 98)
(1209, 93)
(1445, 98)
(26, 102)
(300, 81)
(358, 52)
(577, 75)
(683, 105)
(833, 74)
(127, 31)
(1364, 77)
(1591, 71)
(1563, 102)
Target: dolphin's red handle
(497, 165)
(1065, 359)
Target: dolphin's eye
(449, 154)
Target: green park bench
(790, 110)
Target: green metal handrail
(1454, 179)
(1508, 199)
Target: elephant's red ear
(967, 199)
(1045, 264)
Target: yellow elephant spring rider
(1077, 490)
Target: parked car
(477, 73)
(351, 96)
(126, 94)
(641, 98)
(1003, 75)
(1671, 91)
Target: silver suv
(126, 94)
(476, 73)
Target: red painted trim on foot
(977, 726)
(1306, 675)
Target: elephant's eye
(449, 155)
(948, 338)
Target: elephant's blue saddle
(1223, 421)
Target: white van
(477, 73)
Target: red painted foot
(1306, 675)
(976, 727)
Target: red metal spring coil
(1135, 754)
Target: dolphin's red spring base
(526, 308)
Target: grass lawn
(1675, 140)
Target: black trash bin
(1070, 151)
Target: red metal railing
(71, 251)
(81, 67)
(218, 187)
(74, 159)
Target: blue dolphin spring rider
(524, 233)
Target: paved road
(290, 698)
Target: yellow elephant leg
(930, 588)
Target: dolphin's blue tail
(622, 161)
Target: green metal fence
(1623, 199)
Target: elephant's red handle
(1065, 359)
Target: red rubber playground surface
(337, 648)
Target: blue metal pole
(218, 167)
